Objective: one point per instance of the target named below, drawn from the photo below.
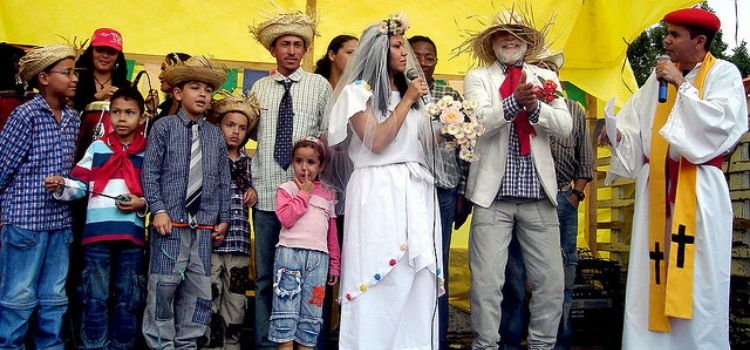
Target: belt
(195, 226)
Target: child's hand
(250, 197)
(218, 235)
(135, 204)
(304, 185)
(54, 183)
(161, 223)
(332, 280)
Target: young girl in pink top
(307, 252)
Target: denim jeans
(33, 270)
(299, 286)
(116, 267)
(513, 322)
(267, 227)
(447, 200)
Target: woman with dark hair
(391, 274)
(333, 63)
(102, 69)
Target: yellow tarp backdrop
(593, 34)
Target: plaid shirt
(573, 155)
(34, 146)
(167, 166)
(310, 94)
(237, 239)
(454, 170)
(520, 179)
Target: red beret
(694, 17)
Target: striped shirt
(104, 222)
(237, 239)
(33, 146)
(573, 155)
(167, 165)
(310, 94)
(452, 171)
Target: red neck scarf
(523, 126)
(119, 160)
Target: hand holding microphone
(667, 72)
(424, 90)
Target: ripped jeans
(298, 294)
(111, 269)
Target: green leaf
(541, 80)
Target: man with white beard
(513, 185)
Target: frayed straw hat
(196, 68)
(295, 23)
(513, 21)
(245, 104)
(38, 59)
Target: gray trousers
(179, 289)
(538, 230)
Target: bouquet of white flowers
(462, 125)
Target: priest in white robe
(677, 294)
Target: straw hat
(512, 21)
(38, 59)
(247, 105)
(557, 58)
(196, 68)
(295, 23)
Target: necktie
(195, 177)
(522, 124)
(282, 150)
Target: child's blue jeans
(116, 269)
(33, 270)
(298, 295)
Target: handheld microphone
(413, 74)
(662, 82)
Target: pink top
(308, 221)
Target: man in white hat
(574, 164)
(513, 185)
(293, 104)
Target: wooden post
(307, 62)
(590, 214)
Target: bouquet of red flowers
(548, 91)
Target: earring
(117, 65)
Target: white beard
(506, 56)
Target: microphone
(662, 82)
(413, 74)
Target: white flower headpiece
(395, 24)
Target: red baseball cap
(694, 17)
(107, 37)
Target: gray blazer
(485, 175)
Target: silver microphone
(413, 74)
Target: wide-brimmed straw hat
(38, 59)
(245, 104)
(513, 21)
(196, 68)
(295, 23)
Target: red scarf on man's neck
(523, 126)
(120, 161)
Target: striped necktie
(282, 149)
(195, 178)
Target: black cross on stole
(682, 239)
(657, 256)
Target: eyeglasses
(427, 61)
(69, 72)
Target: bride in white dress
(391, 275)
